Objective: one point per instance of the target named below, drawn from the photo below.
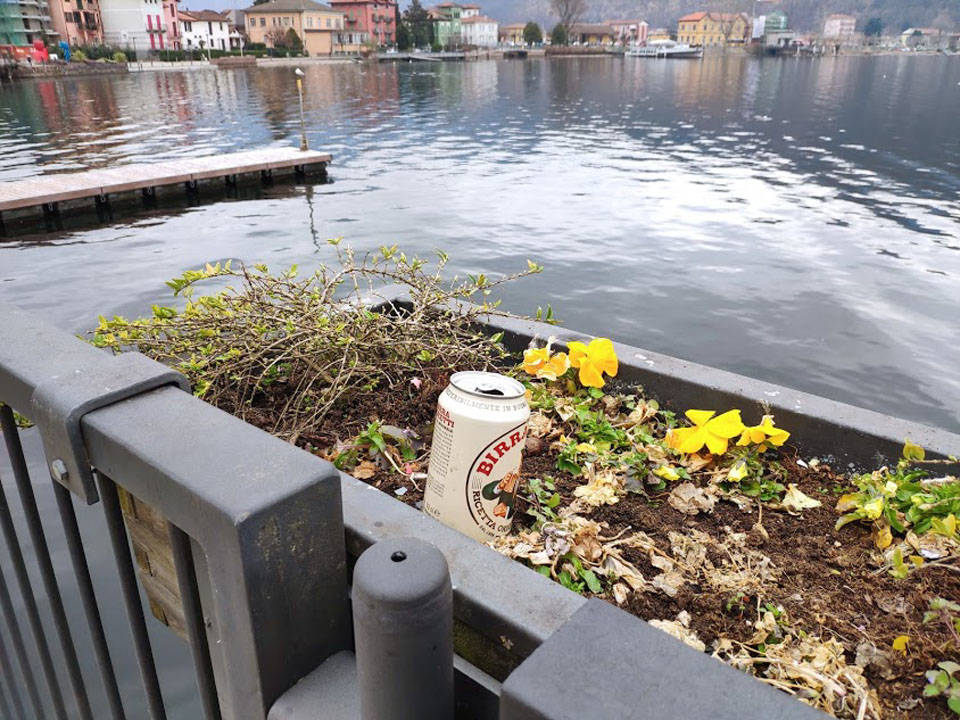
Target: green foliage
(78, 55)
(945, 682)
(873, 28)
(292, 41)
(901, 499)
(559, 36)
(120, 57)
(281, 351)
(532, 34)
(542, 496)
(404, 37)
(436, 47)
(418, 20)
(946, 611)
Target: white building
(839, 27)
(204, 30)
(134, 24)
(479, 31)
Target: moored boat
(666, 49)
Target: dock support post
(300, 171)
(103, 207)
(51, 216)
(3, 228)
(149, 195)
(266, 176)
(230, 180)
(323, 172)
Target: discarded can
(474, 470)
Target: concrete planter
(818, 427)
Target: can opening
(489, 390)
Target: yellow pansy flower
(594, 360)
(714, 432)
(764, 433)
(873, 508)
(539, 363)
(666, 472)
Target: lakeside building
(629, 31)
(171, 19)
(135, 24)
(204, 29)
(237, 23)
(927, 38)
(321, 28)
(591, 34)
(512, 34)
(77, 22)
(775, 21)
(375, 19)
(839, 27)
(479, 31)
(659, 35)
(710, 29)
(23, 22)
(448, 20)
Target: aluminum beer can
(474, 470)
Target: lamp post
(303, 132)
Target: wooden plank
(36, 191)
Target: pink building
(171, 19)
(77, 23)
(629, 31)
(377, 18)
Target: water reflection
(793, 220)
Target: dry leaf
(794, 501)
(690, 499)
(364, 470)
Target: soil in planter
(828, 583)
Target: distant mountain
(804, 15)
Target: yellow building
(659, 35)
(591, 34)
(706, 29)
(512, 34)
(320, 27)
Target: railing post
(403, 631)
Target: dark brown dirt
(830, 585)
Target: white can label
(493, 482)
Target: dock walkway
(48, 190)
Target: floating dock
(46, 191)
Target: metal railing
(262, 535)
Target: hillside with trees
(805, 15)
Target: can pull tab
(489, 390)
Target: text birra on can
(478, 438)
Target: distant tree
(404, 37)
(276, 37)
(292, 41)
(532, 34)
(873, 28)
(420, 23)
(568, 12)
(559, 35)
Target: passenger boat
(665, 49)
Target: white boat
(665, 49)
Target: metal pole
(403, 630)
(303, 130)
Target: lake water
(793, 220)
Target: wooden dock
(47, 191)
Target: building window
(309, 22)
(263, 21)
(328, 22)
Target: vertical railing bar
(193, 615)
(18, 646)
(29, 601)
(35, 527)
(82, 571)
(131, 595)
(8, 685)
(10, 679)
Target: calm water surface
(794, 220)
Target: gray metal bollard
(403, 629)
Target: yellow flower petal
(900, 643)
(590, 376)
(602, 353)
(699, 417)
(687, 440)
(534, 359)
(555, 367)
(578, 351)
(715, 444)
(726, 425)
